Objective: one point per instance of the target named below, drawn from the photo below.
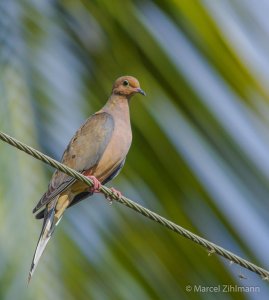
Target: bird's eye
(125, 82)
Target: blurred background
(199, 155)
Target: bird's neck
(117, 105)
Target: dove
(97, 150)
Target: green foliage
(199, 153)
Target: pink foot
(96, 184)
(116, 192)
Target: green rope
(211, 247)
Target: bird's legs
(96, 188)
(96, 184)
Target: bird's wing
(83, 153)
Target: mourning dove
(97, 150)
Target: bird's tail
(45, 235)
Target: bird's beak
(140, 91)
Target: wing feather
(82, 153)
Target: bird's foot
(116, 193)
(96, 184)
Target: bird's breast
(116, 149)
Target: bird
(97, 150)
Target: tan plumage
(98, 149)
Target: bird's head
(127, 86)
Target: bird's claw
(115, 192)
(96, 184)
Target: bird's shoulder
(95, 132)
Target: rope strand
(211, 247)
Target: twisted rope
(211, 247)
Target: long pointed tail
(45, 235)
